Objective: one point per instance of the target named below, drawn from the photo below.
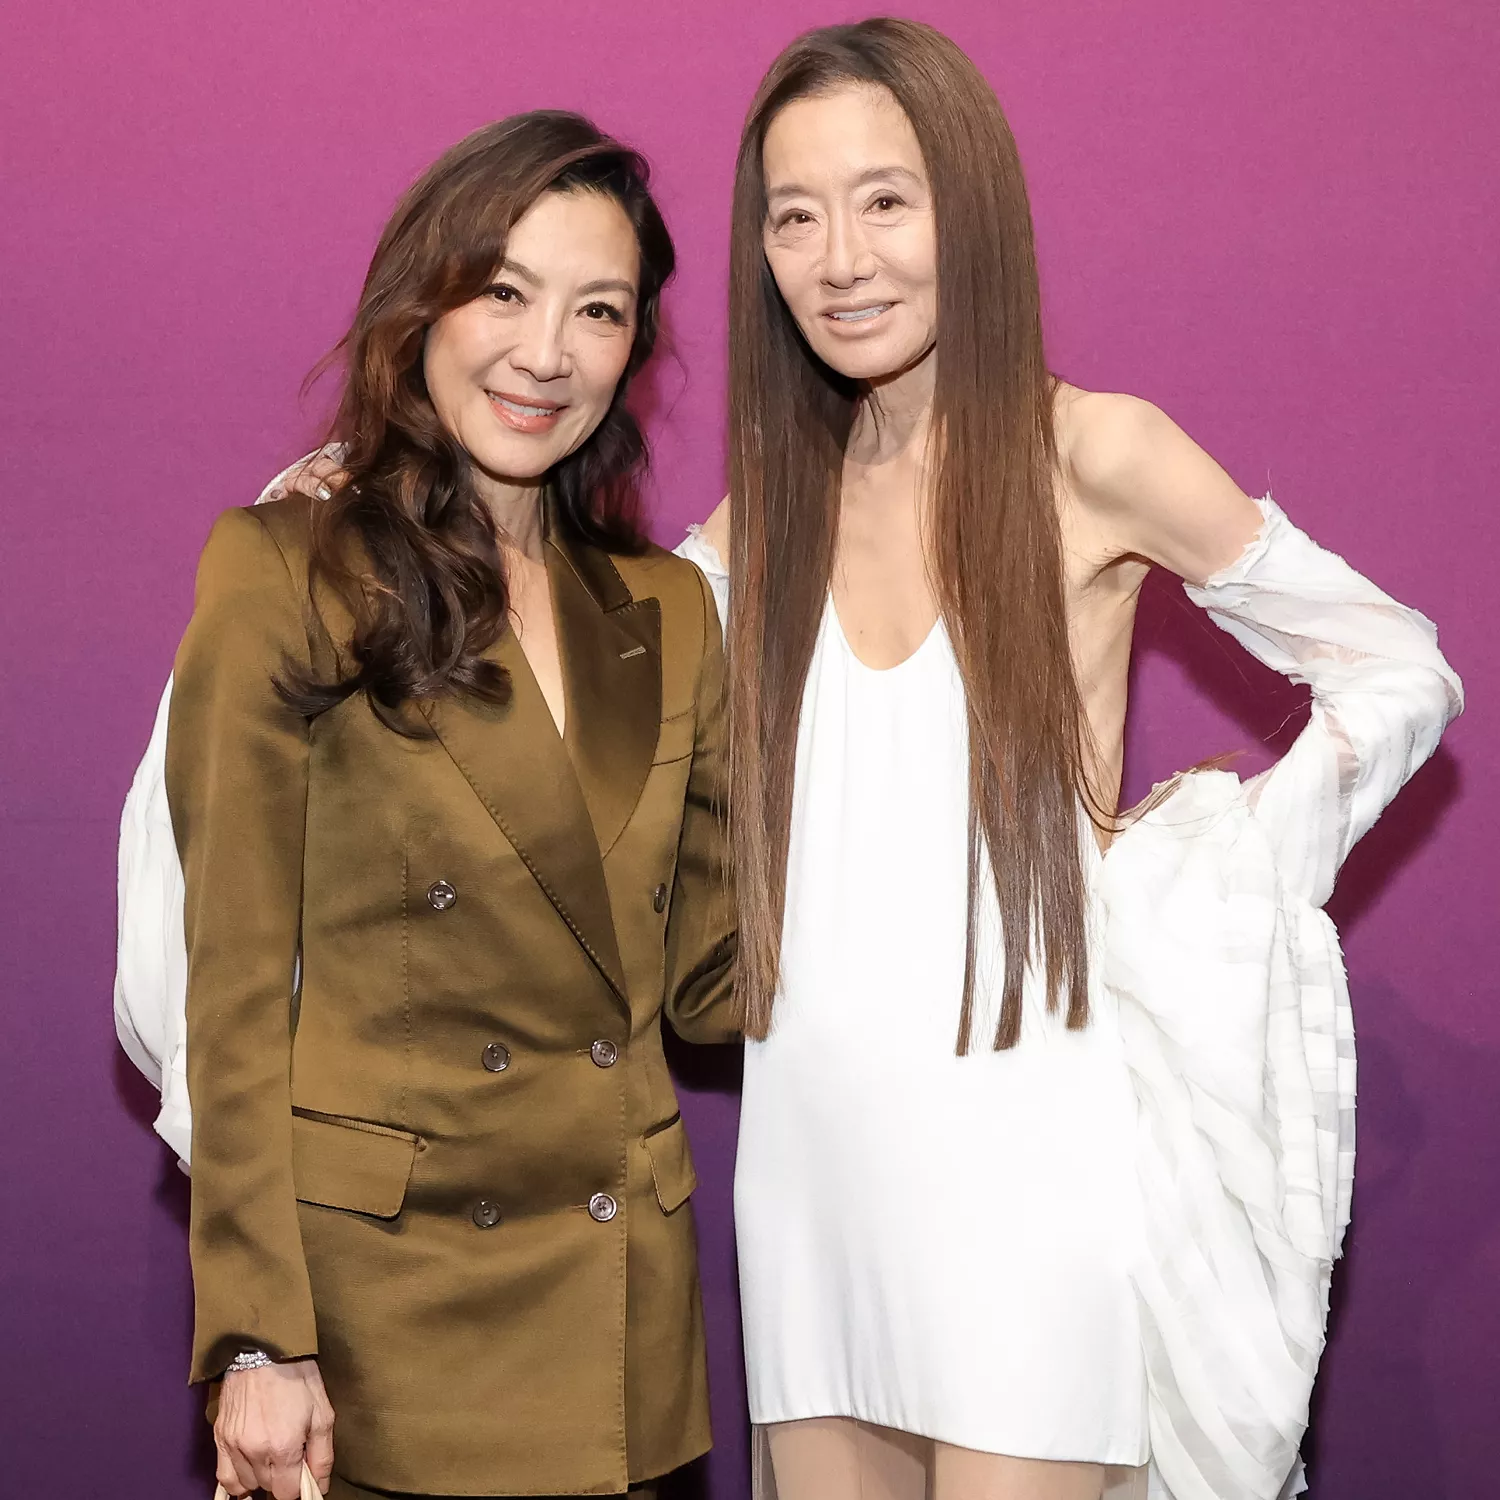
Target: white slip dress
(933, 1243)
(1219, 975)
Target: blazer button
(441, 895)
(496, 1057)
(604, 1053)
(659, 898)
(602, 1208)
(486, 1214)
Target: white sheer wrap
(1236, 1019)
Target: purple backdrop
(1277, 220)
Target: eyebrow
(626, 287)
(872, 174)
(515, 268)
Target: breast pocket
(675, 742)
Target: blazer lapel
(517, 765)
(611, 657)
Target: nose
(847, 257)
(541, 348)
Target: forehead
(575, 235)
(832, 138)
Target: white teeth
(861, 315)
(525, 411)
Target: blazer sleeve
(701, 932)
(237, 775)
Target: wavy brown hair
(406, 543)
(994, 544)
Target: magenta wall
(1276, 219)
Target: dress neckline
(837, 626)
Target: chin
(873, 362)
(518, 459)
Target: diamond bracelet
(251, 1359)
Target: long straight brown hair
(994, 544)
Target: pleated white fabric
(1236, 1022)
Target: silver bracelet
(251, 1359)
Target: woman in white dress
(985, 1249)
(1011, 1223)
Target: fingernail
(324, 493)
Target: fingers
(320, 1445)
(318, 478)
(281, 1474)
(277, 1471)
(236, 1475)
(266, 1417)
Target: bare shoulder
(716, 529)
(1145, 486)
(1105, 438)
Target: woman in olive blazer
(444, 1174)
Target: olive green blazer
(452, 1166)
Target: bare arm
(1148, 489)
(1382, 692)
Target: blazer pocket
(675, 742)
(671, 1164)
(351, 1164)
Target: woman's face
(524, 373)
(850, 234)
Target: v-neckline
(548, 791)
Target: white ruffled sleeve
(150, 954)
(1382, 693)
(699, 550)
(150, 997)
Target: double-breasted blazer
(449, 1160)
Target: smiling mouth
(860, 314)
(523, 408)
(525, 416)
